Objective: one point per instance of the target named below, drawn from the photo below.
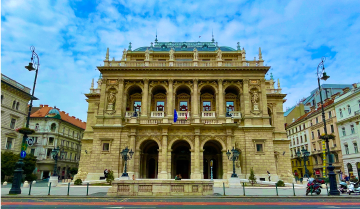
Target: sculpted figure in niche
(111, 101)
(196, 54)
(171, 54)
(255, 100)
(219, 54)
(147, 54)
(124, 55)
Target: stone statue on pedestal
(147, 54)
(171, 54)
(111, 101)
(196, 54)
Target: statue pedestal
(54, 181)
(256, 107)
(234, 182)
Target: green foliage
(8, 161)
(110, 177)
(30, 177)
(30, 164)
(280, 183)
(78, 182)
(252, 178)
(73, 171)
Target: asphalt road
(200, 203)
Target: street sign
(22, 154)
(30, 142)
(24, 146)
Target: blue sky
(71, 38)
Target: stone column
(246, 98)
(131, 163)
(119, 97)
(197, 174)
(194, 99)
(102, 97)
(144, 102)
(230, 163)
(170, 105)
(164, 157)
(263, 97)
(221, 98)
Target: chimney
(345, 90)
(333, 96)
(73, 116)
(319, 104)
(326, 100)
(46, 105)
(312, 108)
(354, 85)
(41, 105)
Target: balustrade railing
(273, 91)
(181, 121)
(209, 121)
(129, 114)
(184, 64)
(235, 114)
(183, 114)
(151, 121)
(157, 114)
(208, 114)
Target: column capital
(146, 80)
(246, 80)
(171, 81)
(121, 81)
(195, 81)
(220, 81)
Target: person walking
(269, 175)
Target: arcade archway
(149, 159)
(181, 159)
(212, 152)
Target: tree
(73, 171)
(110, 177)
(29, 164)
(252, 178)
(8, 161)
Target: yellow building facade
(222, 101)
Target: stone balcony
(235, 114)
(157, 114)
(183, 114)
(208, 114)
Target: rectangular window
(311, 123)
(329, 114)
(312, 135)
(305, 138)
(343, 131)
(316, 160)
(259, 147)
(183, 106)
(301, 139)
(356, 148)
(332, 128)
(297, 140)
(70, 156)
(206, 106)
(9, 143)
(137, 106)
(106, 146)
(352, 129)
(346, 149)
(12, 123)
(36, 140)
(32, 151)
(317, 120)
(230, 106)
(62, 142)
(67, 144)
(72, 144)
(51, 141)
(160, 106)
(318, 132)
(304, 126)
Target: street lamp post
(126, 157)
(321, 74)
(55, 154)
(211, 168)
(234, 157)
(305, 158)
(15, 188)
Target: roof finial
(107, 54)
(129, 49)
(156, 40)
(278, 83)
(260, 55)
(271, 76)
(212, 34)
(92, 84)
(238, 46)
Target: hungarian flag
(186, 114)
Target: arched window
(2, 98)
(270, 115)
(37, 127)
(17, 105)
(53, 127)
(350, 169)
(349, 109)
(64, 131)
(73, 134)
(14, 104)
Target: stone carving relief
(128, 84)
(124, 55)
(254, 94)
(218, 54)
(111, 100)
(147, 55)
(180, 83)
(171, 54)
(211, 83)
(196, 54)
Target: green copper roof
(184, 46)
(53, 113)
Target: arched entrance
(149, 159)
(180, 159)
(358, 169)
(350, 169)
(212, 152)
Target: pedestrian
(340, 172)
(106, 173)
(133, 177)
(269, 175)
(347, 179)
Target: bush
(110, 177)
(78, 182)
(252, 178)
(280, 183)
(30, 177)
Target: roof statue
(271, 76)
(124, 55)
(99, 82)
(260, 55)
(107, 54)
(171, 54)
(156, 40)
(147, 55)
(219, 54)
(212, 34)
(196, 54)
(238, 46)
(129, 49)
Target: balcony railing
(183, 114)
(181, 121)
(235, 114)
(273, 91)
(129, 114)
(209, 121)
(157, 114)
(151, 121)
(208, 114)
(184, 64)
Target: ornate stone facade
(221, 100)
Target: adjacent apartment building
(347, 108)
(14, 109)
(55, 128)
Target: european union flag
(175, 116)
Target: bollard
(49, 188)
(224, 188)
(30, 188)
(294, 189)
(68, 189)
(87, 190)
(244, 188)
(327, 190)
(277, 194)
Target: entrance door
(152, 169)
(182, 167)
